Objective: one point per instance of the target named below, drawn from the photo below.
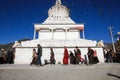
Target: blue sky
(18, 16)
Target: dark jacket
(39, 51)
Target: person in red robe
(65, 58)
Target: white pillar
(34, 34)
(79, 36)
(66, 33)
(52, 33)
(83, 34)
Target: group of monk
(75, 58)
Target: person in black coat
(52, 56)
(72, 58)
(10, 56)
(109, 55)
(39, 53)
(90, 55)
(1, 56)
(95, 58)
(77, 54)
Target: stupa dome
(58, 14)
(58, 10)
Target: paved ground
(60, 72)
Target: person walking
(1, 56)
(39, 53)
(72, 58)
(34, 57)
(65, 58)
(90, 55)
(95, 58)
(77, 54)
(10, 56)
(52, 58)
(109, 56)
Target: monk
(65, 58)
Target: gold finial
(58, 1)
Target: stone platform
(59, 43)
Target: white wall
(45, 35)
(24, 55)
(73, 35)
(59, 35)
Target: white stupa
(57, 31)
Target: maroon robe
(65, 58)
